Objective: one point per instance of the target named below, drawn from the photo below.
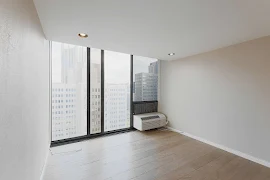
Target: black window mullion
(102, 91)
(88, 90)
(131, 91)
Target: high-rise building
(73, 61)
(117, 106)
(153, 67)
(64, 111)
(95, 123)
(146, 85)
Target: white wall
(24, 92)
(222, 96)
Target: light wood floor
(160, 155)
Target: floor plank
(151, 155)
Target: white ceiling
(154, 28)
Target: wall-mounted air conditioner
(148, 121)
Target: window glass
(117, 90)
(95, 86)
(69, 91)
(145, 79)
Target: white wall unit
(149, 121)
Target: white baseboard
(44, 166)
(238, 153)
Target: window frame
(88, 74)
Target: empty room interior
(141, 90)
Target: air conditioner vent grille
(149, 117)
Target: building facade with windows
(146, 86)
(153, 67)
(64, 111)
(117, 106)
(95, 123)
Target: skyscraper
(146, 84)
(117, 106)
(64, 111)
(153, 67)
(95, 123)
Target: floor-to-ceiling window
(117, 90)
(69, 91)
(93, 90)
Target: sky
(56, 62)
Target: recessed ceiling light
(82, 35)
(171, 54)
